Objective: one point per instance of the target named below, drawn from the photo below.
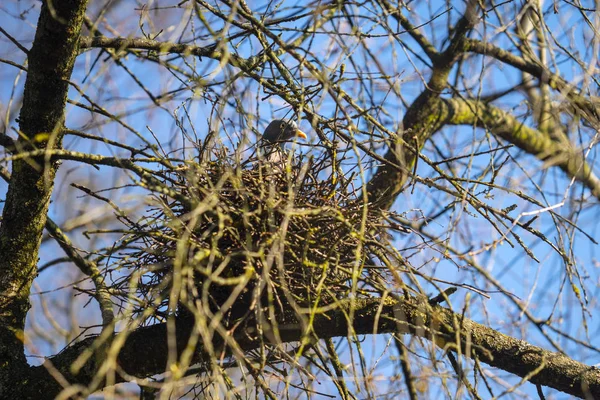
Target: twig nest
(232, 237)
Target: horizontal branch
(440, 112)
(484, 115)
(212, 52)
(590, 109)
(146, 350)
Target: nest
(231, 238)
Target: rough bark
(477, 113)
(440, 325)
(51, 62)
(421, 119)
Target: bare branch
(404, 316)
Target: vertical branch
(51, 61)
(422, 119)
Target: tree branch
(534, 142)
(429, 113)
(589, 109)
(119, 44)
(421, 119)
(145, 351)
(51, 61)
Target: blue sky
(189, 116)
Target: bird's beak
(301, 134)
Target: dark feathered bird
(274, 139)
(279, 131)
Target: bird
(279, 131)
(273, 140)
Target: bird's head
(280, 131)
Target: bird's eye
(282, 126)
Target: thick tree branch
(429, 113)
(51, 62)
(146, 352)
(87, 267)
(534, 142)
(421, 118)
(589, 109)
(441, 112)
